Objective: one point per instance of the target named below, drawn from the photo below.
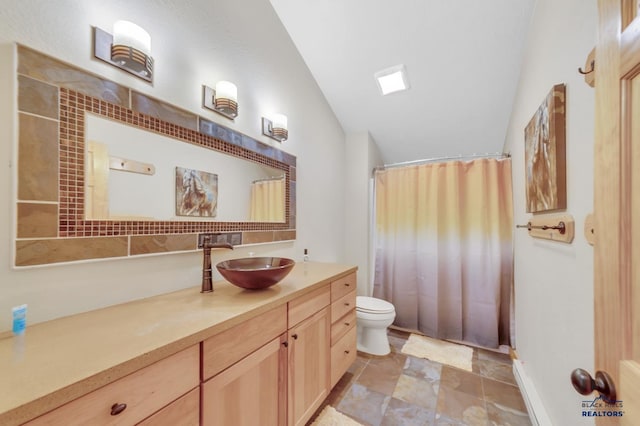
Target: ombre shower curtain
(444, 249)
(267, 200)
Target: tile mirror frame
(53, 98)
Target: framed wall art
(196, 193)
(545, 168)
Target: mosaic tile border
(73, 106)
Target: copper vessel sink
(254, 273)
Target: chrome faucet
(207, 245)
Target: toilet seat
(372, 305)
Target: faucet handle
(208, 241)
(220, 245)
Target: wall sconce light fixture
(276, 127)
(129, 48)
(223, 100)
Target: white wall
(362, 155)
(554, 281)
(193, 43)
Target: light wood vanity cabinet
(287, 379)
(274, 369)
(343, 326)
(139, 394)
(290, 376)
(244, 371)
(309, 338)
(282, 382)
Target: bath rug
(330, 417)
(452, 354)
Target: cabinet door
(250, 392)
(308, 366)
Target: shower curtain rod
(439, 159)
(268, 179)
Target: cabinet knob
(285, 344)
(346, 352)
(117, 408)
(347, 284)
(347, 324)
(295, 336)
(346, 303)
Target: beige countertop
(60, 360)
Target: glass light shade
(226, 90)
(279, 121)
(127, 33)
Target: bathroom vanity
(234, 356)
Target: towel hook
(592, 68)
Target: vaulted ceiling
(462, 58)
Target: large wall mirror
(143, 175)
(105, 171)
(135, 174)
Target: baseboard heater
(537, 413)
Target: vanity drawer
(226, 348)
(343, 286)
(184, 412)
(343, 354)
(303, 307)
(340, 307)
(144, 392)
(340, 327)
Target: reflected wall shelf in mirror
(54, 101)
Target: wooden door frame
(613, 328)
(608, 271)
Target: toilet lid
(371, 304)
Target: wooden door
(97, 175)
(250, 392)
(309, 343)
(617, 204)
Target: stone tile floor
(403, 390)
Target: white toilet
(373, 316)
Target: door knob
(585, 384)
